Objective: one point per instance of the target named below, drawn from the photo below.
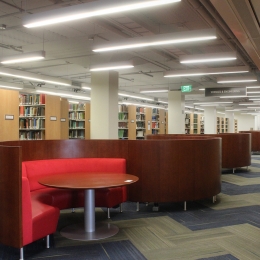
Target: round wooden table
(88, 182)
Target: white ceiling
(69, 46)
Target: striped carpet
(227, 229)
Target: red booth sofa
(41, 205)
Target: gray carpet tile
(232, 189)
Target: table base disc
(77, 232)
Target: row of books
(155, 124)
(122, 108)
(32, 135)
(76, 124)
(140, 124)
(155, 131)
(122, 133)
(122, 116)
(77, 134)
(155, 118)
(75, 107)
(122, 125)
(140, 109)
(32, 111)
(31, 123)
(32, 99)
(140, 117)
(76, 115)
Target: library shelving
(32, 116)
(201, 122)
(140, 122)
(187, 123)
(226, 125)
(122, 122)
(222, 125)
(9, 115)
(235, 126)
(77, 120)
(155, 121)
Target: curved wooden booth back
(255, 140)
(236, 147)
(183, 169)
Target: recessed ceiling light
(24, 57)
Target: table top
(87, 180)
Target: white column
(176, 115)
(210, 120)
(231, 124)
(104, 105)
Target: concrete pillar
(210, 120)
(176, 115)
(104, 105)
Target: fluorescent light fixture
(221, 113)
(248, 104)
(134, 96)
(188, 106)
(254, 107)
(10, 85)
(206, 71)
(208, 103)
(24, 57)
(199, 108)
(162, 101)
(34, 77)
(201, 89)
(253, 87)
(81, 11)
(160, 39)
(139, 104)
(154, 90)
(236, 79)
(73, 102)
(253, 92)
(113, 66)
(63, 94)
(210, 57)
(233, 96)
(84, 86)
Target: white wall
(245, 122)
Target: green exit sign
(186, 88)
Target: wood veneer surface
(255, 140)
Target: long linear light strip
(10, 85)
(133, 96)
(63, 94)
(217, 102)
(98, 8)
(25, 57)
(140, 104)
(207, 71)
(34, 77)
(113, 66)
(210, 57)
(160, 39)
(234, 96)
(238, 79)
(153, 90)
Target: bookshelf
(64, 119)
(9, 115)
(77, 120)
(32, 116)
(122, 122)
(155, 121)
(235, 126)
(140, 122)
(187, 123)
(222, 125)
(201, 123)
(226, 125)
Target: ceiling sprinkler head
(2, 26)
